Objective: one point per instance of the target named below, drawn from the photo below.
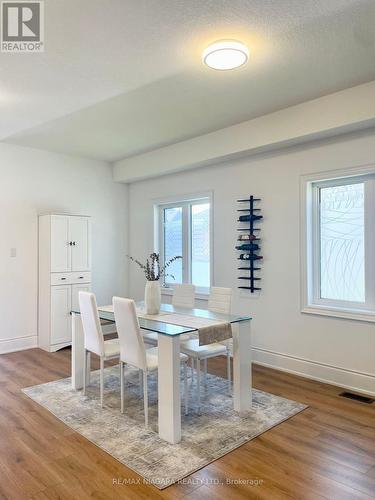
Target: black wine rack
(248, 243)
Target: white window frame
(311, 302)
(185, 202)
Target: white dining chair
(133, 351)
(93, 338)
(220, 300)
(198, 353)
(183, 296)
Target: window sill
(200, 295)
(357, 315)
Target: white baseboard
(349, 379)
(19, 344)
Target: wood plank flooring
(325, 452)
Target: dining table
(170, 324)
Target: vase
(152, 297)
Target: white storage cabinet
(64, 270)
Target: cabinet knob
(70, 243)
(63, 279)
(74, 243)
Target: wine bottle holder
(248, 243)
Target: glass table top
(169, 328)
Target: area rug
(205, 437)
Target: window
(340, 247)
(342, 242)
(185, 229)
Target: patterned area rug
(205, 438)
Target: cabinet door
(60, 248)
(75, 291)
(61, 306)
(79, 234)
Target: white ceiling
(120, 77)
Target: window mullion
(316, 260)
(189, 243)
(370, 243)
(161, 241)
(185, 244)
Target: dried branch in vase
(152, 268)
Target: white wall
(32, 182)
(331, 349)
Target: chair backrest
(132, 348)
(92, 330)
(183, 296)
(220, 300)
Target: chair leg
(122, 385)
(88, 367)
(228, 370)
(140, 375)
(205, 371)
(145, 397)
(84, 371)
(101, 380)
(192, 369)
(186, 390)
(199, 385)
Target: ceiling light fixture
(225, 55)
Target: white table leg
(169, 388)
(242, 397)
(77, 352)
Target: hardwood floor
(327, 451)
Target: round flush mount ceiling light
(225, 54)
